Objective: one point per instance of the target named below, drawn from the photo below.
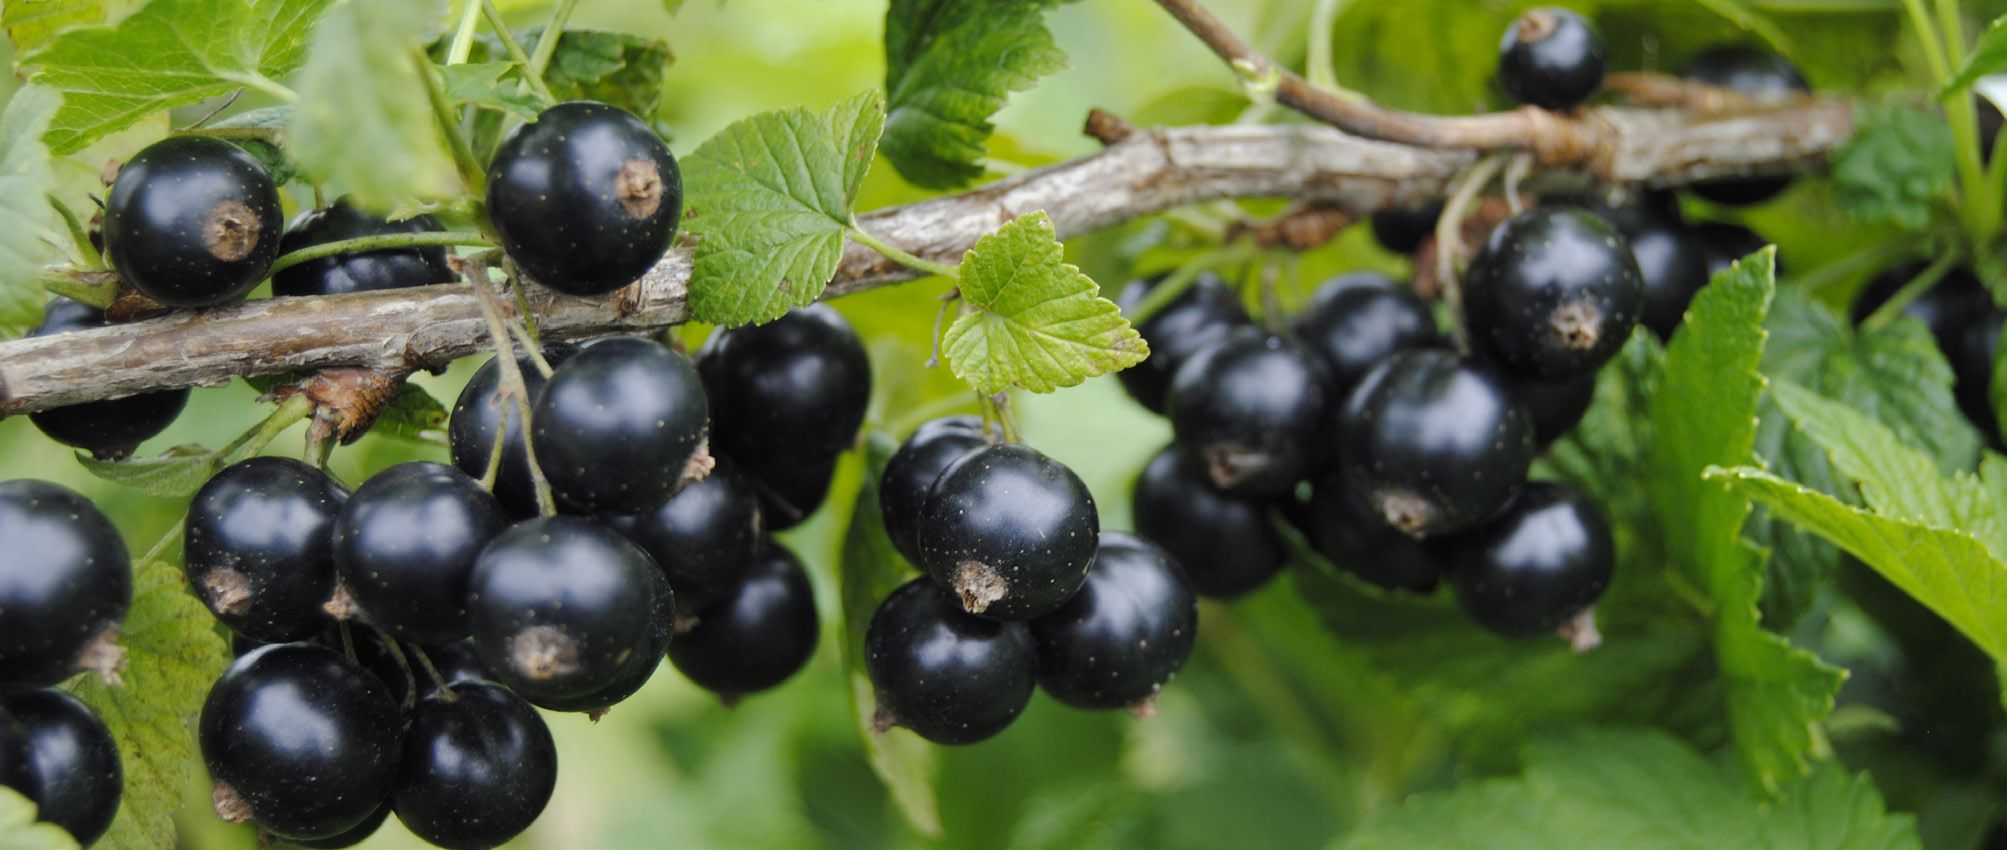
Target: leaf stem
(1916, 286)
(265, 84)
(547, 43)
(904, 258)
(449, 125)
(515, 49)
(463, 35)
(372, 243)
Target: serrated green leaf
(481, 84)
(173, 656)
(170, 53)
(410, 413)
(1039, 323)
(32, 23)
(176, 474)
(619, 68)
(1987, 56)
(1601, 789)
(27, 221)
(769, 198)
(19, 829)
(363, 121)
(1897, 169)
(949, 66)
(856, 123)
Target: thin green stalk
(1449, 234)
(1916, 286)
(1323, 17)
(1874, 257)
(463, 35)
(80, 239)
(515, 49)
(1175, 283)
(160, 548)
(547, 43)
(1979, 208)
(515, 283)
(512, 379)
(438, 680)
(449, 126)
(904, 258)
(289, 412)
(371, 243)
(1926, 35)
(265, 84)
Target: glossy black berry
(480, 410)
(585, 199)
(1724, 243)
(1010, 531)
(757, 634)
(1972, 370)
(1125, 634)
(1673, 265)
(562, 607)
(358, 271)
(950, 677)
(1754, 72)
(1401, 230)
(192, 221)
(1433, 443)
(1224, 542)
(15, 772)
(909, 475)
(790, 391)
(1537, 564)
(112, 427)
(477, 769)
(458, 661)
(1552, 293)
(1195, 319)
(405, 543)
(1551, 58)
(1555, 406)
(65, 578)
(299, 739)
(352, 836)
(1944, 308)
(790, 494)
(1252, 407)
(704, 538)
(72, 762)
(1355, 320)
(617, 424)
(1363, 544)
(260, 547)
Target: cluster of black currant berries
(1021, 589)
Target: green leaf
(410, 413)
(176, 474)
(20, 830)
(769, 197)
(949, 66)
(871, 570)
(481, 84)
(363, 122)
(33, 23)
(619, 68)
(1038, 323)
(1988, 56)
(1598, 789)
(27, 221)
(1897, 169)
(173, 656)
(170, 53)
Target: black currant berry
(585, 199)
(1754, 72)
(299, 739)
(617, 424)
(1551, 58)
(909, 475)
(458, 662)
(704, 538)
(404, 547)
(1944, 308)
(562, 607)
(1724, 243)
(1224, 542)
(1125, 634)
(192, 221)
(73, 763)
(1010, 531)
(480, 410)
(354, 835)
(1195, 319)
(1360, 543)
(597, 701)
(15, 772)
(1673, 266)
(1433, 443)
(1556, 406)
(65, 581)
(789, 495)
(788, 392)
(950, 677)
(1534, 566)
(757, 634)
(1401, 230)
(1355, 320)
(113, 427)
(477, 769)
(1252, 406)
(260, 547)
(1552, 293)
(358, 271)
(1972, 370)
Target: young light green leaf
(856, 123)
(176, 474)
(1987, 56)
(173, 655)
(32, 23)
(410, 413)
(769, 197)
(170, 53)
(1897, 169)
(20, 830)
(482, 84)
(949, 66)
(363, 122)
(1038, 322)
(26, 217)
(619, 68)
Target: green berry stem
(445, 690)
(547, 43)
(1449, 234)
(463, 35)
(1177, 282)
(904, 258)
(404, 664)
(251, 442)
(160, 547)
(448, 122)
(387, 240)
(1916, 286)
(494, 469)
(515, 49)
(512, 378)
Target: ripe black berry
(260, 547)
(1537, 564)
(14, 770)
(1010, 531)
(1252, 407)
(950, 677)
(476, 770)
(108, 428)
(788, 392)
(1972, 370)
(1433, 443)
(1125, 634)
(65, 579)
(617, 424)
(1673, 266)
(1192, 321)
(299, 739)
(789, 495)
(585, 199)
(1724, 243)
(1551, 58)
(1753, 72)
(458, 662)
(480, 410)
(562, 607)
(404, 546)
(72, 762)
(704, 538)
(1402, 229)
(353, 836)
(1944, 308)
(358, 271)
(1552, 293)
(1363, 544)
(757, 634)
(909, 475)
(1224, 542)
(1556, 406)
(1356, 320)
(192, 221)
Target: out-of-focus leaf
(410, 413)
(26, 218)
(1987, 56)
(483, 84)
(949, 66)
(363, 122)
(32, 23)
(619, 68)
(1897, 169)
(176, 474)
(20, 830)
